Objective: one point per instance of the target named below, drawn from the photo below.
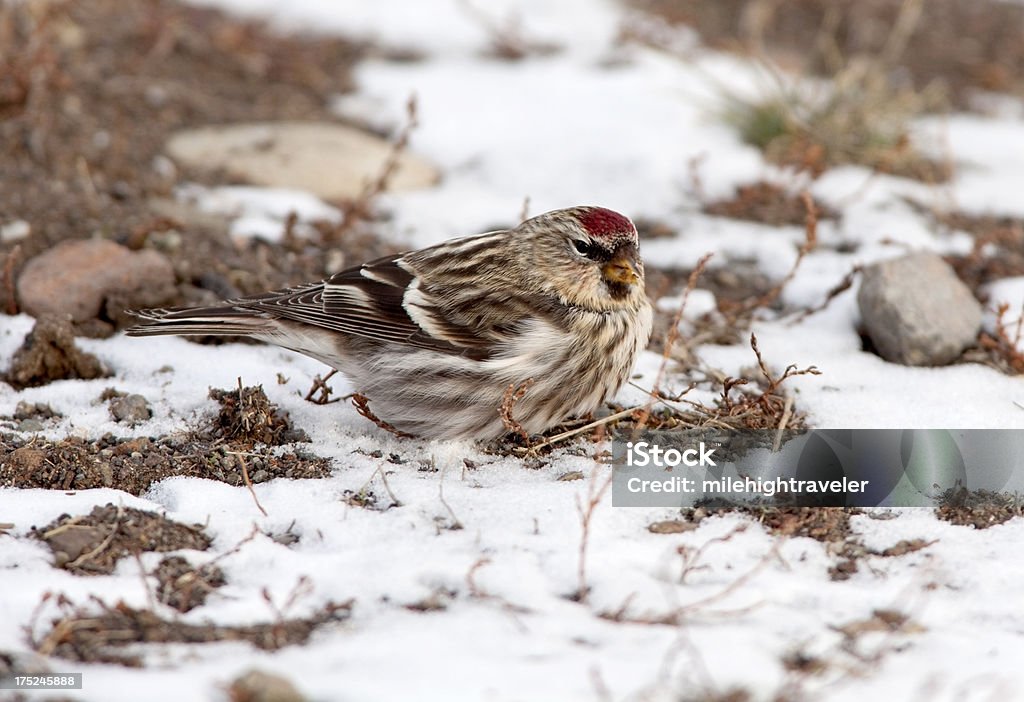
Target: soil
(944, 45)
(214, 451)
(49, 353)
(89, 94)
(998, 250)
(980, 509)
(94, 543)
(184, 587)
(769, 204)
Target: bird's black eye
(586, 248)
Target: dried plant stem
(245, 477)
(672, 337)
(810, 242)
(787, 412)
(595, 492)
(362, 405)
(320, 385)
(512, 395)
(11, 302)
(586, 427)
(103, 544)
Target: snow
(595, 123)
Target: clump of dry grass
(860, 117)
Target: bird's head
(588, 256)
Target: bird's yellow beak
(622, 268)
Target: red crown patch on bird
(602, 223)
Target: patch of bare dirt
(237, 441)
(133, 465)
(735, 285)
(248, 418)
(998, 250)
(92, 544)
(184, 587)
(943, 46)
(49, 353)
(980, 509)
(826, 524)
(89, 94)
(769, 204)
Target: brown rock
(79, 278)
(258, 686)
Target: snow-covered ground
(596, 123)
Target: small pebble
(130, 408)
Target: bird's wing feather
(370, 301)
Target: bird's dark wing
(443, 298)
(370, 301)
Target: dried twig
(1003, 344)
(508, 41)
(11, 301)
(362, 405)
(672, 337)
(524, 211)
(512, 395)
(320, 386)
(303, 587)
(474, 589)
(456, 523)
(787, 412)
(839, 288)
(360, 208)
(678, 615)
(245, 477)
(586, 511)
(586, 427)
(103, 544)
(810, 242)
(692, 556)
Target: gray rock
(916, 311)
(130, 408)
(30, 425)
(78, 278)
(332, 161)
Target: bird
(436, 339)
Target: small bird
(435, 339)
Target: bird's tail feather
(199, 321)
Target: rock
(34, 410)
(333, 161)
(257, 686)
(916, 311)
(130, 408)
(85, 278)
(49, 353)
(30, 425)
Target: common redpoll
(435, 338)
